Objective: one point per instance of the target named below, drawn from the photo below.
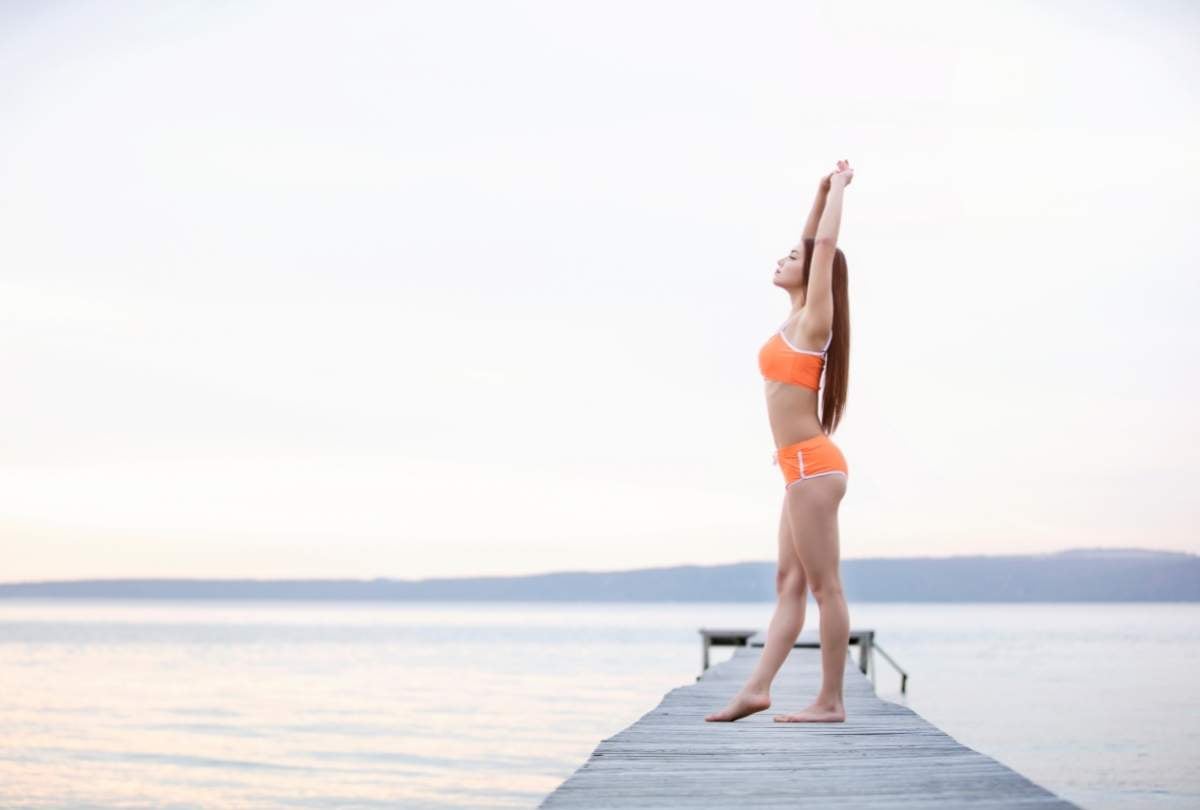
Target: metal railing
(740, 637)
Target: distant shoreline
(1077, 575)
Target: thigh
(789, 561)
(812, 509)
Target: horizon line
(1065, 551)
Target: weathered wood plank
(884, 755)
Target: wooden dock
(883, 756)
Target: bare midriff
(792, 410)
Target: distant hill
(1081, 575)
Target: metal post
(865, 648)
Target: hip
(815, 456)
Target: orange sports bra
(780, 361)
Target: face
(790, 269)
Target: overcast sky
(438, 289)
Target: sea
(170, 704)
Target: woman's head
(791, 271)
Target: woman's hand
(843, 175)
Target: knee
(826, 588)
(791, 583)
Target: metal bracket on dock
(741, 637)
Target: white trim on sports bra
(805, 351)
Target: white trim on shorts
(803, 477)
(815, 475)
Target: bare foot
(743, 703)
(815, 712)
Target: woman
(815, 339)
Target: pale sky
(441, 289)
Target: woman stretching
(814, 470)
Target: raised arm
(814, 216)
(818, 302)
(831, 217)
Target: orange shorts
(808, 459)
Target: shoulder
(808, 330)
(814, 325)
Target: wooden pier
(883, 756)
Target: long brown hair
(837, 361)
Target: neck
(797, 297)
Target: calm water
(478, 705)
